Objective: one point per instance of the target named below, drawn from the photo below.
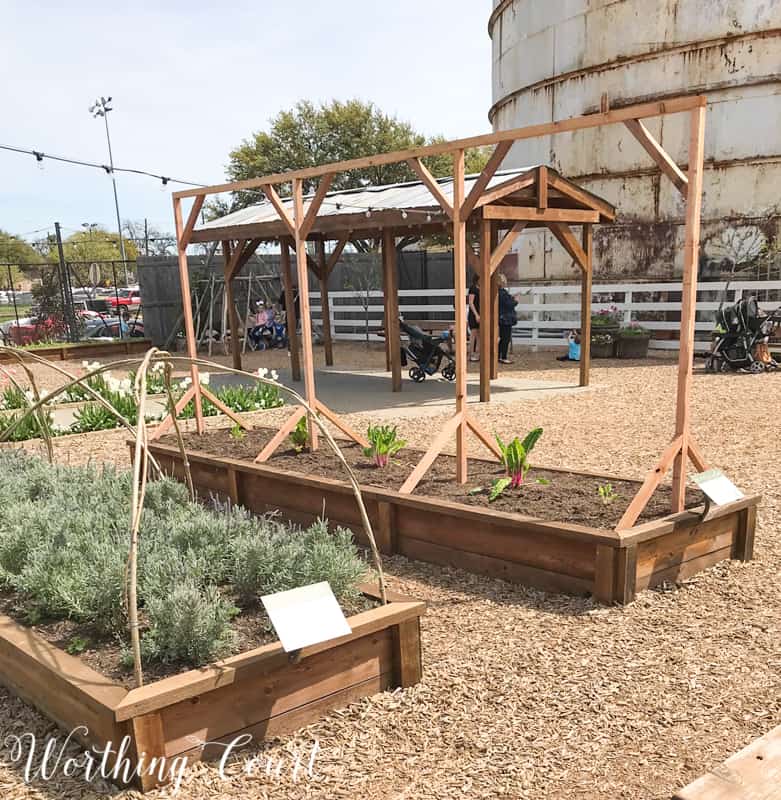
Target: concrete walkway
(350, 391)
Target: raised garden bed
(261, 692)
(448, 524)
(74, 351)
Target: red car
(124, 299)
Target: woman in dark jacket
(507, 319)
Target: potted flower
(632, 341)
(606, 320)
(602, 345)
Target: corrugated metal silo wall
(553, 60)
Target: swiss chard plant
(515, 457)
(383, 444)
(300, 435)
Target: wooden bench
(752, 774)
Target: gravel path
(533, 695)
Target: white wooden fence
(546, 313)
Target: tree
(17, 253)
(309, 135)
(96, 244)
(148, 239)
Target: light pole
(100, 108)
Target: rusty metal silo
(556, 58)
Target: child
(573, 349)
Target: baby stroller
(742, 333)
(427, 353)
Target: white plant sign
(306, 616)
(718, 487)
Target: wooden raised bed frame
(76, 350)
(555, 556)
(261, 692)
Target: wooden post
(459, 281)
(303, 293)
(586, 280)
(494, 307)
(233, 317)
(325, 303)
(487, 322)
(187, 311)
(290, 310)
(688, 302)
(408, 665)
(392, 316)
(386, 305)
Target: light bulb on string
(39, 159)
(368, 212)
(163, 184)
(404, 214)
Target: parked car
(124, 299)
(109, 329)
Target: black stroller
(427, 353)
(741, 330)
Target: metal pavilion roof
(412, 197)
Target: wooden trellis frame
(488, 205)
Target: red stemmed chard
(515, 456)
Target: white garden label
(718, 487)
(305, 616)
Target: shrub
(189, 623)
(29, 428)
(12, 398)
(64, 542)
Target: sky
(191, 80)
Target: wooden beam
(660, 156)
(229, 412)
(574, 216)
(510, 186)
(187, 309)
(303, 296)
(494, 306)
(652, 480)
(580, 195)
(244, 256)
(333, 259)
(192, 220)
(503, 248)
(392, 334)
(325, 304)
(285, 430)
(316, 202)
(586, 280)
(671, 105)
(274, 199)
(483, 435)
(489, 170)
(420, 169)
(486, 309)
(459, 283)
(233, 318)
(542, 188)
(435, 448)
(568, 241)
(339, 423)
(688, 302)
(290, 310)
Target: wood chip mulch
(533, 695)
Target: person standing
(473, 316)
(507, 319)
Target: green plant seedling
(543, 481)
(78, 644)
(300, 435)
(383, 444)
(515, 460)
(607, 494)
(238, 433)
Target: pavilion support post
(386, 306)
(290, 310)
(182, 240)
(487, 320)
(459, 267)
(303, 294)
(586, 279)
(392, 335)
(325, 303)
(688, 302)
(233, 317)
(494, 240)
